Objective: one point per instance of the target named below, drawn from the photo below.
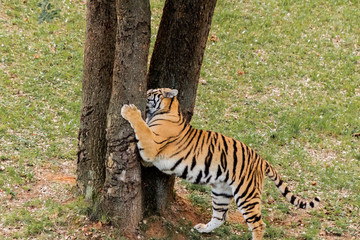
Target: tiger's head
(160, 99)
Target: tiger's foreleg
(146, 145)
(221, 198)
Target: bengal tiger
(233, 169)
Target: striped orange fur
(234, 170)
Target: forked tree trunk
(115, 65)
(96, 90)
(176, 63)
(122, 189)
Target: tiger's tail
(290, 197)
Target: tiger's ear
(170, 93)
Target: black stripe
(188, 133)
(286, 191)
(171, 102)
(312, 204)
(198, 178)
(176, 164)
(222, 195)
(243, 159)
(188, 153)
(193, 163)
(239, 185)
(260, 226)
(185, 172)
(293, 198)
(153, 125)
(220, 204)
(243, 195)
(302, 205)
(180, 142)
(235, 158)
(225, 144)
(208, 138)
(267, 168)
(256, 219)
(218, 174)
(215, 138)
(250, 206)
(250, 184)
(198, 139)
(208, 180)
(279, 184)
(190, 139)
(250, 153)
(227, 176)
(220, 209)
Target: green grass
(297, 102)
(282, 76)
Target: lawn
(281, 76)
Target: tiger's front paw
(130, 112)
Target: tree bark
(122, 189)
(115, 67)
(176, 63)
(96, 88)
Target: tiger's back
(203, 157)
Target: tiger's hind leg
(146, 144)
(221, 198)
(251, 210)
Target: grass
(282, 76)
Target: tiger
(232, 169)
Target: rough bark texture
(176, 63)
(97, 78)
(115, 65)
(122, 189)
(179, 48)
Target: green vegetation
(282, 76)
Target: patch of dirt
(181, 212)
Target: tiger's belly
(194, 174)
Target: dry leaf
(98, 225)
(214, 38)
(240, 72)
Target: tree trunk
(115, 66)
(122, 189)
(96, 88)
(176, 63)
